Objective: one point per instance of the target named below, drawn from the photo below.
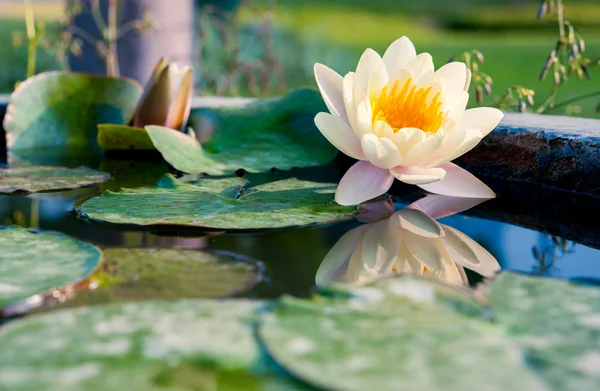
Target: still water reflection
(387, 239)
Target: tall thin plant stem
(110, 36)
(31, 38)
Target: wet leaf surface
(397, 334)
(36, 179)
(556, 322)
(184, 345)
(62, 109)
(276, 132)
(220, 203)
(123, 138)
(146, 273)
(33, 263)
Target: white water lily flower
(408, 241)
(402, 119)
(167, 97)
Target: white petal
(468, 253)
(330, 84)
(349, 99)
(381, 246)
(455, 75)
(459, 183)
(424, 250)
(374, 211)
(417, 222)
(370, 63)
(362, 182)
(406, 138)
(407, 263)
(339, 134)
(335, 265)
(383, 129)
(421, 152)
(450, 151)
(452, 273)
(439, 206)
(420, 66)
(472, 138)
(418, 175)
(364, 119)
(468, 81)
(380, 151)
(483, 118)
(398, 54)
(455, 103)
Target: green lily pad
(184, 345)
(37, 263)
(221, 204)
(36, 179)
(62, 109)
(394, 335)
(558, 325)
(146, 273)
(123, 138)
(277, 132)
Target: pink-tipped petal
(466, 252)
(418, 175)
(398, 54)
(417, 222)
(455, 74)
(339, 134)
(380, 151)
(330, 85)
(362, 182)
(483, 118)
(459, 183)
(376, 210)
(439, 206)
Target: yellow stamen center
(408, 107)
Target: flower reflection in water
(409, 240)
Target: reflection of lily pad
(393, 335)
(558, 325)
(62, 109)
(277, 132)
(34, 179)
(220, 203)
(132, 173)
(35, 263)
(142, 274)
(123, 138)
(184, 345)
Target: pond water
(291, 256)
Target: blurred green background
(282, 39)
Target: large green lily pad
(220, 203)
(146, 273)
(62, 109)
(36, 263)
(123, 138)
(277, 132)
(558, 325)
(35, 179)
(394, 335)
(184, 345)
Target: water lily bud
(480, 57)
(581, 44)
(557, 78)
(530, 100)
(522, 106)
(475, 67)
(167, 97)
(479, 95)
(488, 89)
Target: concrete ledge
(552, 151)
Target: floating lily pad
(35, 179)
(277, 132)
(558, 325)
(33, 263)
(394, 335)
(220, 203)
(184, 345)
(123, 138)
(62, 109)
(143, 273)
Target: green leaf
(123, 138)
(277, 132)
(220, 203)
(62, 109)
(145, 273)
(36, 263)
(184, 345)
(35, 179)
(556, 322)
(393, 335)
